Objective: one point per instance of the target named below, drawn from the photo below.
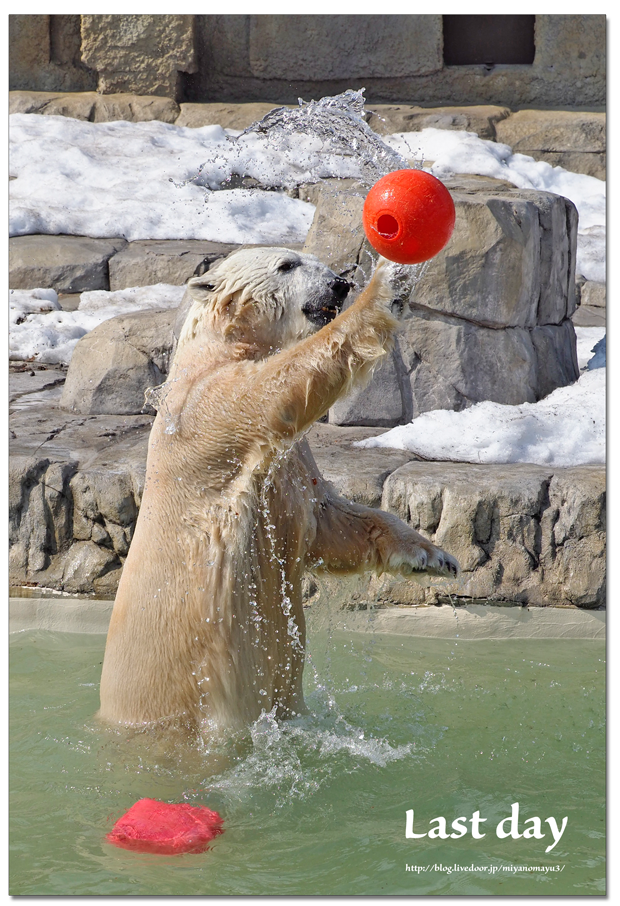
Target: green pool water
(318, 805)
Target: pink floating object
(166, 829)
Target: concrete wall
(397, 58)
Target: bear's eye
(287, 266)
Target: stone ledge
(478, 622)
(67, 264)
(150, 261)
(473, 622)
(94, 107)
(85, 615)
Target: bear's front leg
(352, 538)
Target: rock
(593, 295)
(592, 304)
(574, 557)
(151, 261)
(79, 105)
(590, 164)
(589, 317)
(228, 116)
(575, 140)
(114, 363)
(510, 261)
(525, 534)
(452, 363)
(487, 319)
(30, 49)
(555, 348)
(85, 563)
(135, 108)
(68, 264)
(343, 47)
(94, 107)
(386, 119)
(336, 235)
(383, 402)
(27, 380)
(356, 473)
(141, 54)
(553, 130)
(75, 485)
(45, 54)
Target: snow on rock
(153, 180)
(130, 180)
(567, 428)
(41, 331)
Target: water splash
(293, 760)
(338, 124)
(156, 397)
(289, 147)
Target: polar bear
(207, 629)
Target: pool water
(318, 805)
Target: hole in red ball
(387, 226)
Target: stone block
(574, 530)
(139, 54)
(79, 105)
(379, 404)
(593, 295)
(29, 40)
(336, 235)
(135, 108)
(115, 363)
(358, 474)
(482, 119)
(555, 347)
(151, 261)
(325, 47)
(45, 54)
(94, 107)
(572, 49)
(522, 533)
(68, 264)
(574, 140)
(228, 116)
(553, 130)
(85, 562)
(510, 261)
(85, 488)
(472, 322)
(453, 363)
(589, 317)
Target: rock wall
(234, 58)
(523, 534)
(488, 319)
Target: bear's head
(267, 298)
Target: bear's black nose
(340, 288)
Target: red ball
(151, 826)
(408, 216)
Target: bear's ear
(201, 289)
